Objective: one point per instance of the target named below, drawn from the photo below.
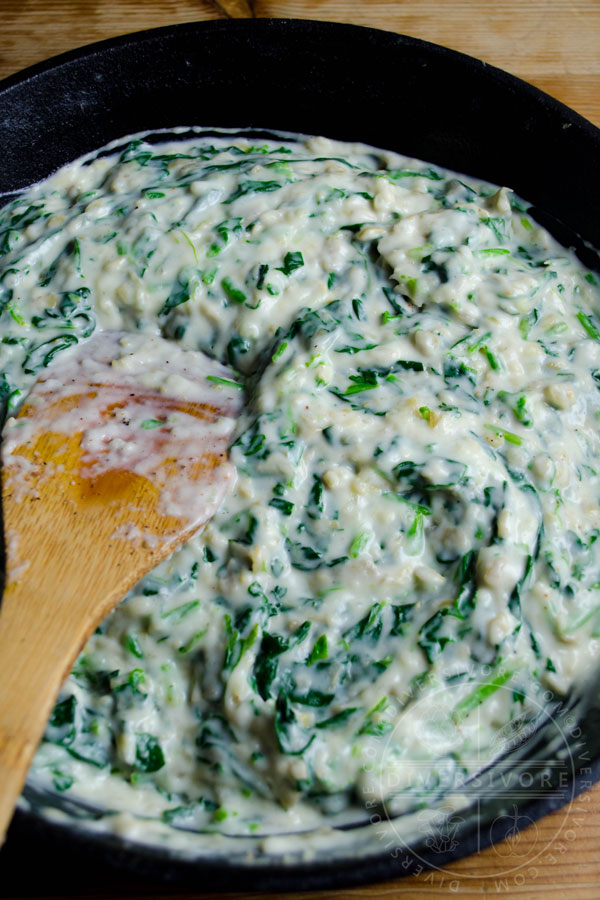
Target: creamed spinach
(409, 560)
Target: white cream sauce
(409, 559)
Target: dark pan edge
(565, 131)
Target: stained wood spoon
(119, 455)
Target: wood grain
(550, 43)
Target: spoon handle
(38, 645)
(65, 571)
(236, 9)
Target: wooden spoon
(236, 9)
(117, 457)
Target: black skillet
(353, 84)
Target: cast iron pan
(353, 84)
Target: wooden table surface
(554, 44)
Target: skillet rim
(382, 866)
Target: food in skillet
(408, 561)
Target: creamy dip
(408, 562)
